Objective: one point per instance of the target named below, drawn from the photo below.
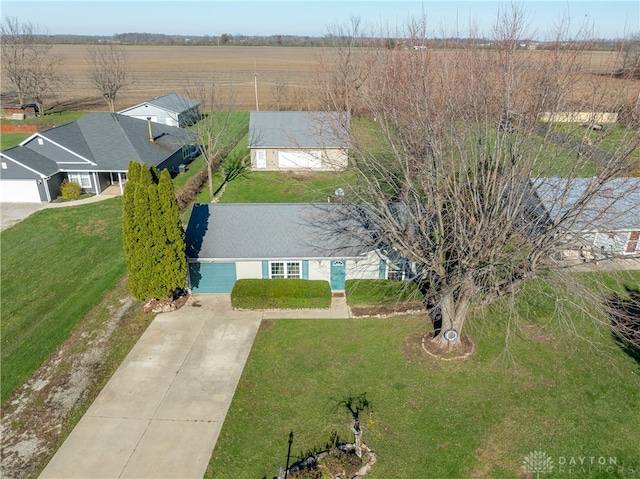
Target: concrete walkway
(160, 414)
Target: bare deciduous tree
(217, 100)
(280, 92)
(451, 169)
(342, 71)
(109, 71)
(28, 62)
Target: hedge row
(281, 294)
(381, 291)
(188, 193)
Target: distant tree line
(227, 39)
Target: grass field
(473, 419)
(56, 266)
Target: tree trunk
(453, 310)
(210, 176)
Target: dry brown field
(158, 70)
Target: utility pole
(255, 82)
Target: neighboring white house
(170, 109)
(610, 222)
(290, 140)
(231, 241)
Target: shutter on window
(305, 269)
(382, 269)
(265, 270)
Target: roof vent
(151, 139)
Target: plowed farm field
(158, 70)
(285, 77)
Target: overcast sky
(610, 19)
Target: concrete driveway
(12, 213)
(160, 414)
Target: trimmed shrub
(381, 291)
(281, 294)
(70, 190)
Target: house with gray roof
(170, 109)
(293, 140)
(231, 241)
(608, 224)
(93, 151)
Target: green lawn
(7, 140)
(282, 187)
(477, 418)
(608, 139)
(48, 120)
(56, 265)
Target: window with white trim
(397, 271)
(83, 179)
(285, 269)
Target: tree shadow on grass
(624, 312)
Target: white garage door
(19, 191)
(299, 159)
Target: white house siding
(319, 269)
(331, 159)
(365, 268)
(249, 269)
(615, 243)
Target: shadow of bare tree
(624, 312)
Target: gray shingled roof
(616, 205)
(170, 102)
(111, 140)
(297, 129)
(33, 160)
(262, 231)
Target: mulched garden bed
(381, 310)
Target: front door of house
(338, 274)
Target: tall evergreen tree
(157, 245)
(127, 208)
(154, 240)
(174, 262)
(141, 261)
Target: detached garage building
(294, 140)
(227, 242)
